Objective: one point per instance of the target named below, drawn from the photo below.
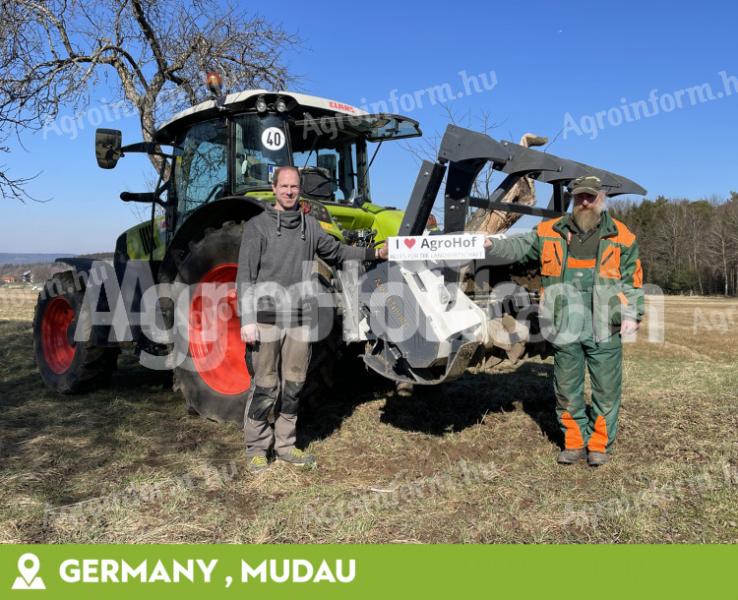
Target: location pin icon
(28, 566)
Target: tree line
(687, 247)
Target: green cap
(587, 184)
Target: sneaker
(257, 464)
(597, 459)
(570, 457)
(295, 456)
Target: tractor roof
(246, 100)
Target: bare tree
(54, 51)
(669, 237)
(731, 216)
(696, 217)
(721, 247)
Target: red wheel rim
(57, 350)
(216, 347)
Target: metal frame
(464, 153)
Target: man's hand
(628, 326)
(487, 243)
(382, 253)
(250, 334)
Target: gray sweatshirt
(279, 247)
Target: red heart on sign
(409, 243)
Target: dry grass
(472, 461)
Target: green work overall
(587, 293)
(594, 426)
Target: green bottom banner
(327, 571)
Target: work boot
(597, 459)
(570, 457)
(258, 464)
(297, 457)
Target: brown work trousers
(278, 366)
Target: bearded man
(591, 290)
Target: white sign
(272, 138)
(436, 247)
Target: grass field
(471, 461)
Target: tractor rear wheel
(212, 377)
(67, 366)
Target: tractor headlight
(261, 105)
(281, 105)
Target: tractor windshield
(329, 172)
(223, 156)
(261, 145)
(330, 160)
(331, 152)
(200, 168)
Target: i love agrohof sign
(436, 247)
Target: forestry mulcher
(441, 320)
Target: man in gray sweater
(277, 250)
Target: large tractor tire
(67, 366)
(213, 376)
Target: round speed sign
(272, 138)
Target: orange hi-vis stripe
(546, 228)
(580, 263)
(598, 439)
(610, 264)
(638, 274)
(573, 439)
(624, 235)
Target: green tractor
(220, 172)
(420, 322)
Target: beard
(587, 218)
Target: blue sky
(555, 64)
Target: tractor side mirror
(108, 144)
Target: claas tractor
(218, 175)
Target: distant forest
(686, 246)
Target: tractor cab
(233, 148)
(229, 148)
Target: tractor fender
(387, 223)
(208, 216)
(80, 264)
